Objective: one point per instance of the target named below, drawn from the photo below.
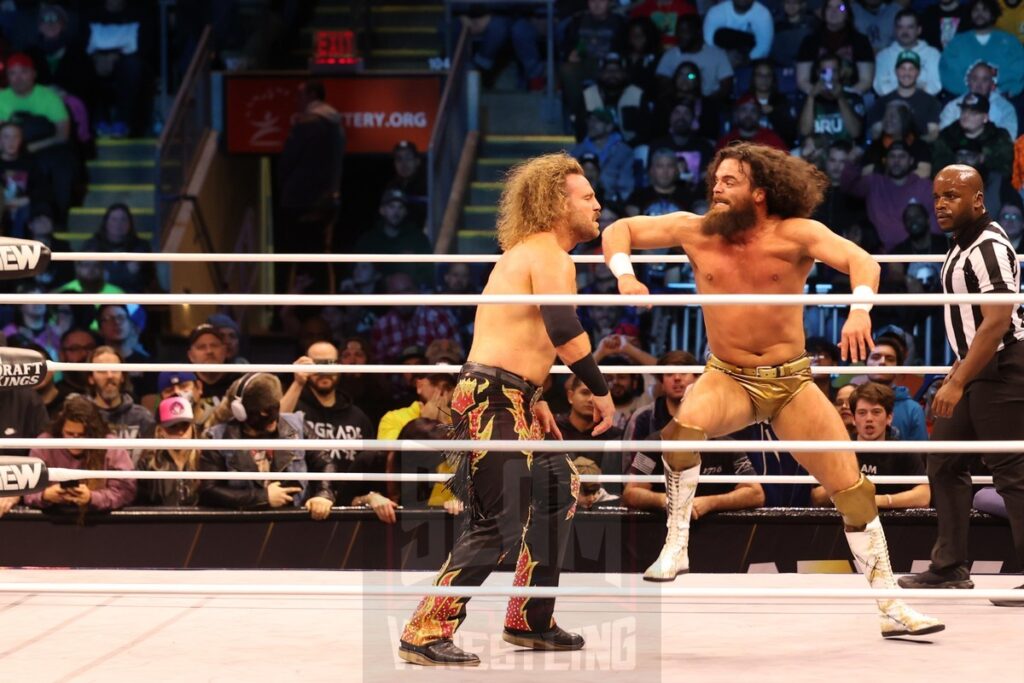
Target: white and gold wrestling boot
(871, 555)
(674, 558)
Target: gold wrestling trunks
(770, 387)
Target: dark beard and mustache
(732, 223)
(322, 392)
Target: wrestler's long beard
(730, 223)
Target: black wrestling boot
(554, 639)
(955, 577)
(1019, 602)
(438, 653)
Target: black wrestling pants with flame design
(519, 501)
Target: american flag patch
(643, 463)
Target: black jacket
(310, 164)
(164, 492)
(22, 414)
(252, 495)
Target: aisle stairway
(497, 154)
(125, 171)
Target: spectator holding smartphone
(81, 419)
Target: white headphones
(237, 406)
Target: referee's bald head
(966, 176)
(959, 197)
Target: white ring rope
(65, 474)
(527, 299)
(178, 257)
(397, 369)
(624, 593)
(509, 446)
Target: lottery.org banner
(377, 112)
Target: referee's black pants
(992, 408)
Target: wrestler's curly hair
(793, 187)
(534, 198)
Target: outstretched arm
(648, 232)
(846, 257)
(643, 232)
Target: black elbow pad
(561, 323)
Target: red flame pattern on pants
(515, 615)
(515, 501)
(436, 617)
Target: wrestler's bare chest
(762, 265)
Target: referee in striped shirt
(982, 398)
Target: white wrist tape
(865, 291)
(620, 265)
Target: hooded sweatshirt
(340, 421)
(908, 416)
(113, 495)
(128, 420)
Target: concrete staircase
(125, 171)
(403, 35)
(515, 129)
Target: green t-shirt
(42, 101)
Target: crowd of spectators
(73, 72)
(878, 95)
(317, 404)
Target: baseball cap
(603, 114)
(223, 320)
(410, 352)
(747, 99)
(908, 56)
(203, 329)
(175, 410)
(589, 158)
(51, 14)
(898, 146)
(445, 351)
(976, 102)
(610, 58)
(20, 59)
(393, 196)
(169, 379)
(405, 144)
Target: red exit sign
(335, 48)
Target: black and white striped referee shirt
(981, 260)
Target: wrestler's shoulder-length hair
(793, 187)
(534, 198)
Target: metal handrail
(446, 103)
(188, 120)
(446, 139)
(187, 84)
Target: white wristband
(620, 265)
(865, 291)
